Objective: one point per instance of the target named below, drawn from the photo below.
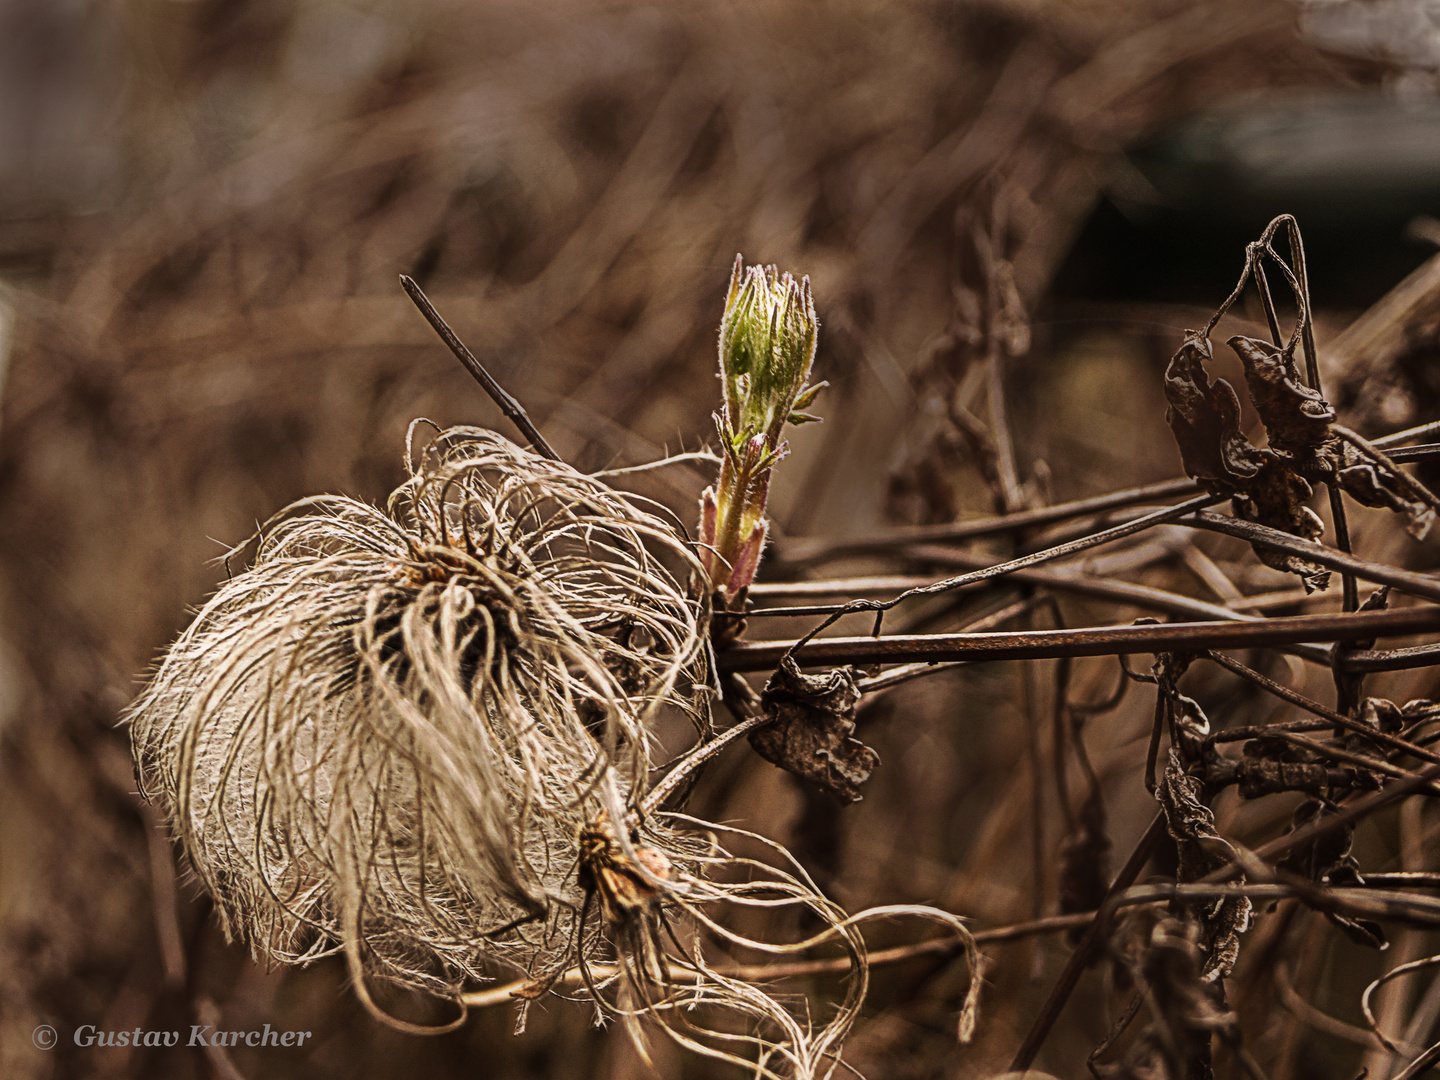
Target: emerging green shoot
(767, 344)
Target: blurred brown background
(204, 207)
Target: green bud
(767, 344)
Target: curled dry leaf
(1374, 483)
(1205, 417)
(811, 737)
(1186, 719)
(1296, 418)
(1164, 957)
(1299, 424)
(1191, 825)
(1189, 1008)
(1277, 498)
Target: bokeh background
(204, 207)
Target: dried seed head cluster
(394, 734)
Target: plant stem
(1338, 719)
(1089, 944)
(1092, 641)
(807, 550)
(1405, 580)
(498, 394)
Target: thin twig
(1361, 808)
(907, 672)
(1336, 753)
(1086, 950)
(1338, 719)
(1301, 282)
(1421, 1063)
(1407, 581)
(946, 946)
(163, 896)
(1404, 878)
(839, 965)
(1390, 659)
(498, 394)
(807, 550)
(1410, 453)
(877, 585)
(1145, 597)
(1419, 490)
(1416, 432)
(663, 463)
(1060, 551)
(687, 765)
(1308, 1014)
(1091, 641)
(208, 1013)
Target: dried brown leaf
(1276, 497)
(1296, 418)
(811, 736)
(1205, 417)
(1192, 826)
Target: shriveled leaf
(1191, 825)
(1372, 483)
(1276, 497)
(1205, 417)
(1189, 716)
(1419, 711)
(811, 737)
(1327, 853)
(1298, 422)
(1327, 859)
(1186, 1007)
(1183, 713)
(1365, 932)
(1190, 822)
(1380, 715)
(1296, 417)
